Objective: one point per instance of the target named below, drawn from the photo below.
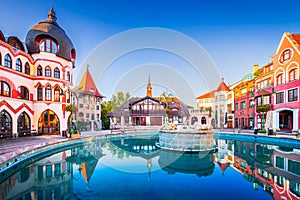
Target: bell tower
(149, 88)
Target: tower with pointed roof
(88, 101)
(149, 87)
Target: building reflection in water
(200, 164)
(49, 178)
(276, 169)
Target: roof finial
(51, 15)
(87, 67)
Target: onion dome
(48, 36)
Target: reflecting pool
(136, 168)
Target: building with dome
(36, 80)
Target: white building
(35, 80)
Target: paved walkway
(9, 148)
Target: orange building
(286, 106)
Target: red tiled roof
(222, 87)
(207, 95)
(87, 85)
(296, 38)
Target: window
(56, 73)
(68, 76)
(97, 107)
(93, 116)
(285, 56)
(279, 162)
(293, 95)
(294, 167)
(243, 105)
(57, 169)
(203, 120)
(81, 114)
(4, 89)
(27, 69)
(7, 61)
(279, 97)
(279, 79)
(40, 93)
(39, 71)
(87, 115)
(19, 65)
(48, 71)
(48, 45)
(293, 75)
(251, 104)
(236, 106)
(48, 171)
(258, 100)
(244, 91)
(48, 93)
(23, 93)
(57, 94)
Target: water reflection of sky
(116, 170)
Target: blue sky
(235, 34)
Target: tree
(109, 106)
(119, 100)
(106, 108)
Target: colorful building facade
(286, 61)
(87, 101)
(36, 80)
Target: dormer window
(48, 45)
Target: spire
(149, 87)
(51, 15)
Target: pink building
(286, 61)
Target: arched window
(23, 93)
(279, 79)
(81, 114)
(203, 120)
(7, 61)
(19, 65)
(39, 71)
(48, 45)
(56, 94)
(4, 89)
(194, 120)
(48, 93)
(48, 71)
(49, 123)
(40, 93)
(27, 69)
(293, 75)
(56, 73)
(24, 123)
(68, 76)
(5, 122)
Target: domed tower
(54, 57)
(48, 36)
